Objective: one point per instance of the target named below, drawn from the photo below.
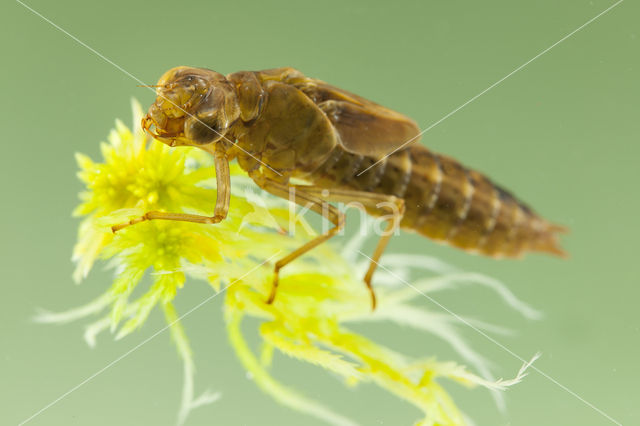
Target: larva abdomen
(448, 202)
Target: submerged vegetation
(320, 296)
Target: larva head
(194, 106)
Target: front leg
(221, 209)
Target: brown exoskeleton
(280, 124)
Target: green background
(563, 133)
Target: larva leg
(301, 197)
(381, 202)
(222, 200)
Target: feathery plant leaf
(319, 296)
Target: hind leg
(382, 203)
(306, 199)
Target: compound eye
(189, 79)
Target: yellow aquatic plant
(320, 294)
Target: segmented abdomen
(447, 202)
